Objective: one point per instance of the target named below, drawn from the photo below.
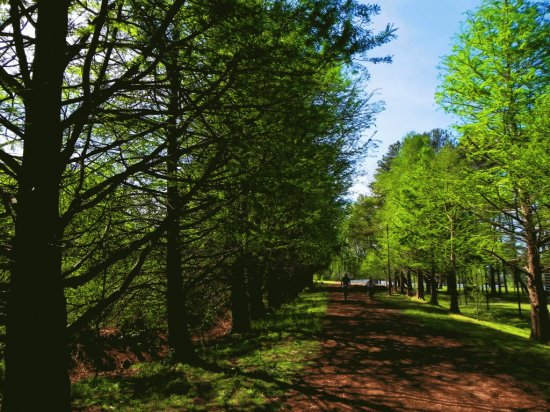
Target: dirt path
(375, 359)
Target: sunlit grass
(501, 314)
(513, 353)
(241, 372)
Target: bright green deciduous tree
(496, 81)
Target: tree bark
(36, 347)
(409, 283)
(540, 325)
(451, 285)
(255, 288)
(240, 309)
(179, 337)
(433, 289)
(420, 288)
(492, 281)
(453, 292)
(504, 280)
(428, 285)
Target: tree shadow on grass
(238, 372)
(373, 358)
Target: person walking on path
(345, 282)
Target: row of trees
(442, 206)
(168, 159)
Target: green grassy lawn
(240, 372)
(506, 347)
(502, 312)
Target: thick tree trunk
(36, 353)
(453, 292)
(420, 288)
(451, 286)
(401, 282)
(240, 308)
(274, 292)
(410, 291)
(179, 337)
(255, 288)
(540, 324)
(428, 285)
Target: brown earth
(374, 358)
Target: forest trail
(374, 358)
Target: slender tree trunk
(523, 286)
(465, 289)
(516, 284)
(420, 288)
(451, 279)
(433, 288)
(36, 353)
(492, 281)
(389, 267)
(179, 337)
(497, 275)
(240, 308)
(505, 280)
(540, 324)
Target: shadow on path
(375, 359)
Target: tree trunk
(453, 292)
(540, 325)
(240, 309)
(36, 348)
(504, 280)
(433, 289)
(409, 283)
(516, 284)
(255, 288)
(389, 266)
(492, 281)
(179, 337)
(420, 288)
(401, 282)
(451, 285)
(274, 292)
(428, 285)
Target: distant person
(345, 282)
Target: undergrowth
(240, 372)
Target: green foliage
(496, 81)
(241, 372)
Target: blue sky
(425, 34)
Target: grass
(505, 347)
(240, 372)
(501, 315)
